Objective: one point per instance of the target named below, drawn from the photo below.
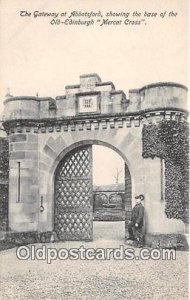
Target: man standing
(135, 226)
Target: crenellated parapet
(94, 104)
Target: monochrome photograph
(94, 149)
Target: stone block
(49, 151)
(31, 155)
(25, 146)
(18, 138)
(32, 138)
(18, 155)
(43, 166)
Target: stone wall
(23, 181)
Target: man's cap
(140, 197)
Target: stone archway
(73, 194)
(42, 130)
(54, 149)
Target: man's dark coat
(137, 214)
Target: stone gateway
(50, 165)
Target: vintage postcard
(94, 149)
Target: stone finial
(8, 95)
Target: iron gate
(73, 206)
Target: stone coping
(28, 98)
(91, 75)
(159, 84)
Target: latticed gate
(73, 204)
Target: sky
(106, 164)
(36, 57)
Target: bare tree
(117, 174)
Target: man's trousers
(135, 233)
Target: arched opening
(92, 187)
(110, 192)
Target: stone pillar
(23, 182)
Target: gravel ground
(97, 279)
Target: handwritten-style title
(110, 18)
